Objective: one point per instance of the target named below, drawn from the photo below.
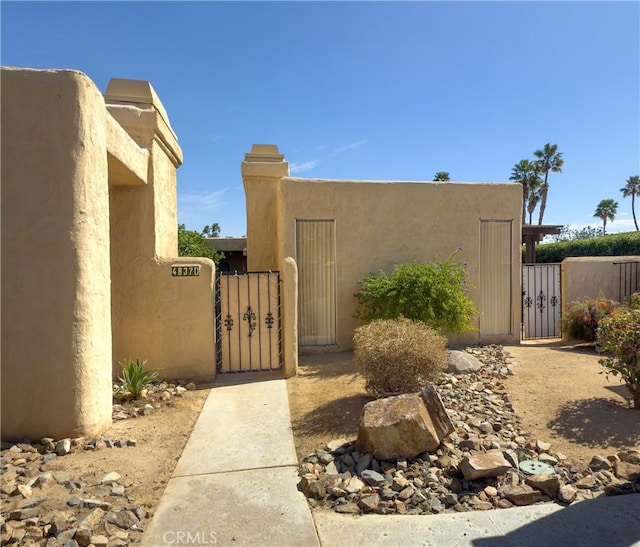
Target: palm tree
(527, 173)
(550, 160)
(442, 176)
(632, 189)
(606, 210)
(535, 188)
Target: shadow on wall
(611, 521)
(597, 422)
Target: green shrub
(624, 244)
(584, 316)
(134, 378)
(635, 301)
(619, 335)
(433, 293)
(398, 356)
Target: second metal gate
(541, 301)
(248, 327)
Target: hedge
(624, 244)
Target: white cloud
(350, 146)
(299, 167)
(207, 201)
(618, 225)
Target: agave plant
(135, 378)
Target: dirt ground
(557, 389)
(562, 397)
(147, 466)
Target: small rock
(490, 464)
(336, 444)
(349, 508)
(543, 446)
(190, 386)
(83, 536)
(96, 503)
(24, 514)
(110, 477)
(91, 519)
(567, 493)
(332, 469)
(122, 519)
(63, 447)
(355, 485)
(99, 541)
(585, 482)
(369, 503)
(25, 491)
(148, 409)
(490, 491)
(599, 463)
(521, 495)
(549, 484)
(118, 490)
(372, 478)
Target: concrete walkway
(235, 484)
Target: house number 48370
(185, 271)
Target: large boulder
(462, 362)
(403, 426)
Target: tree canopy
(527, 173)
(632, 188)
(606, 210)
(441, 176)
(192, 243)
(549, 159)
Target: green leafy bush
(135, 378)
(635, 301)
(191, 243)
(619, 335)
(624, 244)
(433, 293)
(398, 356)
(584, 316)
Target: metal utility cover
(535, 467)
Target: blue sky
(366, 90)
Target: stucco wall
(379, 225)
(169, 321)
(89, 238)
(589, 276)
(56, 323)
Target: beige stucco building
(89, 244)
(338, 231)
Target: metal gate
(248, 326)
(541, 301)
(628, 280)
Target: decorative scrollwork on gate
(528, 302)
(540, 301)
(554, 301)
(228, 322)
(250, 317)
(269, 320)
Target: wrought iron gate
(541, 301)
(248, 327)
(628, 280)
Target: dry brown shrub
(398, 356)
